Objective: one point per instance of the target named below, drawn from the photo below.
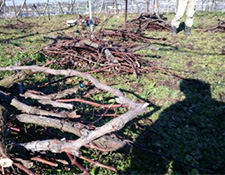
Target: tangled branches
(57, 111)
(149, 22)
(91, 54)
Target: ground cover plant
(182, 130)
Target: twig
(39, 159)
(93, 103)
(95, 163)
(100, 69)
(34, 110)
(74, 162)
(53, 82)
(41, 95)
(23, 168)
(56, 104)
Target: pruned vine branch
(63, 115)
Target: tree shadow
(187, 138)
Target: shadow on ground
(192, 131)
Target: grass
(187, 119)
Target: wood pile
(219, 28)
(20, 25)
(127, 35)
(53, 128)
(149, 22)
(91, 54)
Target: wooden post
(71, 10)
(21, 8)
(126, 7)
(60, 8)
(2, 6)
(14, 7)
(36, 10)
(46, 7)
(90, 16)
(102, 6)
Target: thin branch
(74, 162)
(95, 163)
(56, 104)
(39, 159)
(23, 168)
(111, 106)
(61, 94)
(34, 110)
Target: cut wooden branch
(110, 106)
(23, 168)
(60, 94)
(39, 159)
(95, 163)
(27, 163)
(73, 147)
(74, 162)
(34, 110)
(79, 129)
(15, 78)
(56, 104)
(35, 69)
(113, 125)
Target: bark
(15, 78)
(69, 72)
(73, 147)
(79, 129)
(61, 94)
(56, 104)
(34, 110)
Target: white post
(90, 16)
